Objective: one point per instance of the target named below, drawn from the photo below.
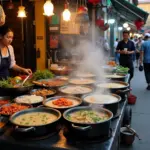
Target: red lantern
(94, 2)
(105, 27)
(139, 24)
(10, 5)
(100, 22)
(82, 9)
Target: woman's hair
(4, 30)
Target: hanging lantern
(48, 8)
(82, 9)
(139, 24)
(21, 12)
(105, 27)
(10, 5)
(82, 16)
(2, 16)
(94, 2)
(66, 13)
(100, 22)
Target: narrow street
(141, 113)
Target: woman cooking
(7, 58)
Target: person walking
(138, 48)
(145, 60)
(126, 49)
(117, 55)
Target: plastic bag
(2, 16)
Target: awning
(130, 11)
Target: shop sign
(54, 40)
(69, 27)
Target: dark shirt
(124, 58)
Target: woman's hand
(27, 71)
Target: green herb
(44, 74)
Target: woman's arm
(13, 64)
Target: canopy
(130, 11)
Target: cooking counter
(59, 142)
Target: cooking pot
(88, 130)
(61, 90)
(113, 106)
(121, 91)
(38, 130)
(15, 91)
(117, 77)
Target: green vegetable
(121, 69)
(5, 84)
(45, 74)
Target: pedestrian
(138, 48)
(126, 49)
(145, 60)
(117, 55)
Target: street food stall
(63, 112)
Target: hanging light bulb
(66, 13)
(128, 28)
(48, 8)
(125, 25)
(120, 28)
(111, 21)
(21, 12)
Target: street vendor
(7, 58)
(126, 49)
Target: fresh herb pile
(42, 74)
(121, 69)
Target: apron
(4, 66)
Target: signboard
(54, 40)
(69, 27)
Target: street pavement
(141, 113)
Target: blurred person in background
(138, 48)
(126, 49)
(117, 55)
(145, 60)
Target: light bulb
(111, 21)
(120, 28)
(128, 28)
(48, 8)
(125, 25)
(66, 15)
(21, 12)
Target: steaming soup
(113, 76)
(87, 116)
(85, 75)
(111, 85)
(76, 90)
(81, 81)
(35, 119)
(100, 99)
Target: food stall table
(59, 142)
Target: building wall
(40, 34)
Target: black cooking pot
(121, 77)
(88, 130)
(112, 106)
(15, 91)
(121, 91)
(34, 131)
(75, 94)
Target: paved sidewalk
(141, 113)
